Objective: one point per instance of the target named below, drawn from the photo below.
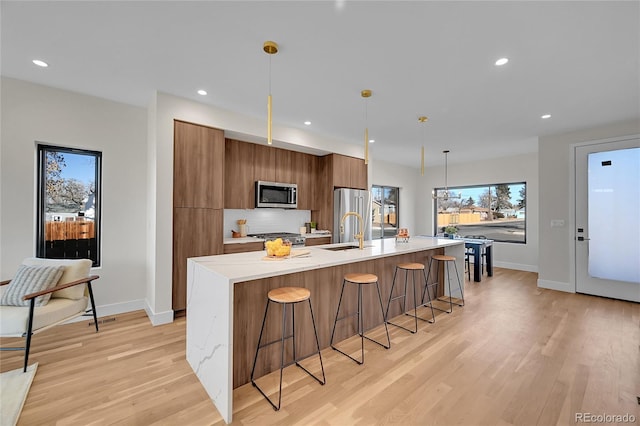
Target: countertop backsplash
(266, 220)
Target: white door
(607, 234)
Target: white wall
(411, 185)
(31, 113)
(520, 168)
(556, 263)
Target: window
(495, 211)
(68, 203)
(385, 211)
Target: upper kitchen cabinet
(349, 172)
(264, 163)
(198, 166)
(305, 169)
(247, 163)
(285, 166)
(239, 188)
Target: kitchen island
(226, 296)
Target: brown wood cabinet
(335, 171)
(316, 241)
(196, 232)
(239, 187)
(198, 166)
(243, 247)
(198, 199)
(264, 165)
(325, 285)
(305, 175)
(285, 166)
(247, 163)
(349, 172)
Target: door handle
(582, 239)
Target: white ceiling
(576, 60)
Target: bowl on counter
(278, 248)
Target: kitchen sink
(341, 248)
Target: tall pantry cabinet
(198, 199)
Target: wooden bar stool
(447, 261)
(287, 296)
(413, 267)
(360, 280)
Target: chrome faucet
(359, 236)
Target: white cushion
(75, 269)
(31, 279)
(15, 319)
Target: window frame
(397, 209)
(41, 214)
(491, 186)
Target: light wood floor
(515, 354)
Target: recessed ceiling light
(372, 141)
(202, 92)
(545, 116)
(40, 63)
(502, 61)
(307, 123)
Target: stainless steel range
(297, 240)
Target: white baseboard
(516, 266)
(556, 285)
(165, 317)
(130, 306)
(113, 309)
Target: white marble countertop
(238, 267)
(316, 235)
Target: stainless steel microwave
(278, 195)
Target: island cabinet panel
(250, 298)
(264, 166)
(198, 166)
(196, 232)
(239, 187)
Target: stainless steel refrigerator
(351, 200)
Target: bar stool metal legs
(287, 296)
(447, 260)
(360, 280)
(413, 267)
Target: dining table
(480, 245)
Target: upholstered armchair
(44, 293)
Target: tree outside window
(495, 211)
(68, 203)
(385, 211)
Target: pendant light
(445, 195)
(270, 48)
(422, 119)
(366, 94)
